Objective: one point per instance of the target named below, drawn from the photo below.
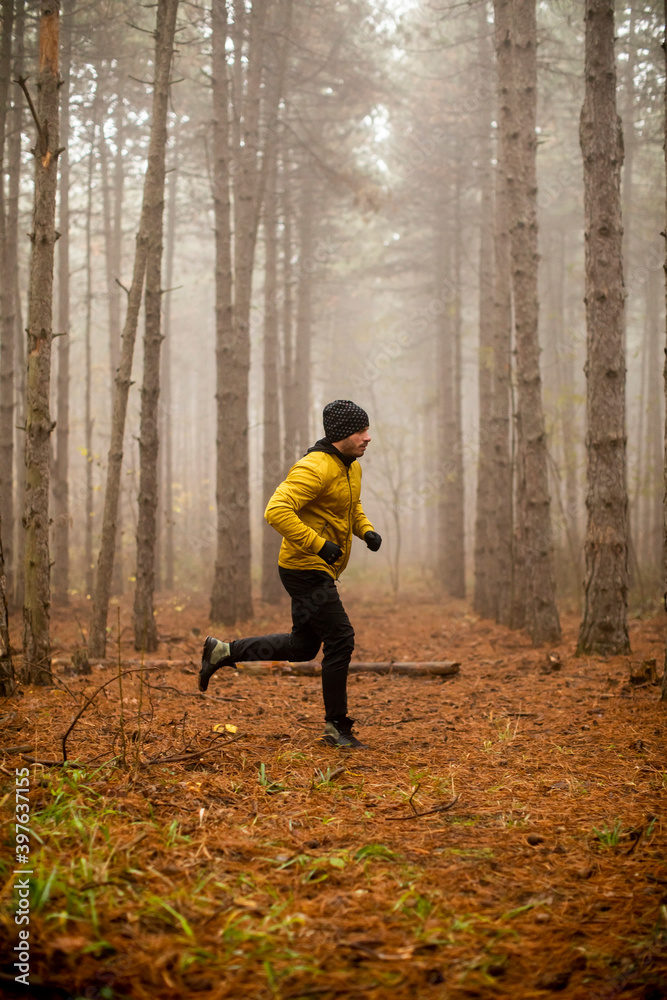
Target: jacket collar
(326, 446)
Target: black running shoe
(339, 734)
(215, 654)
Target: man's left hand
(373, 540)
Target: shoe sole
(329, 741)
(205, 662)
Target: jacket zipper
(349, 522)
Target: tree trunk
(6, 666)
(151, 205)
(272, 461)
(629, 137)
(651, 492)
(568, 424)
(517, 121)
(61, 517)
(663, 692)
(221, 607)
(287, 317)
(247, 204)
(502, 529)
(604, 627)
(6, 305)
(444, 385)
(12, 321)
(484, 601)
(112, 203)
(271, 456)
(454, 485)
(36, 606)
(304, 312)
(231, 597)
(89, 566)
(166, 493)
(145, 629)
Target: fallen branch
(429, 812)
(444, 668)
(193, 754)
(310, 668)
(110, 661)
(92, 698)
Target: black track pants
(318, 616)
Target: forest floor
(225, 853)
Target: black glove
(330, 552)
(373, 540)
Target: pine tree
(604, 628)
(517, 125)
(37, 599)
(151, 215)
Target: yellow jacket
(318, 502)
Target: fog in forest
(337, 164)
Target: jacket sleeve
(302, 485)
(360, 523)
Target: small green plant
(609, 837)
(325, 779)
(172, 833)
(374, 851)
(270, 787)
(507, 733)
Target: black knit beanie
(342, 418)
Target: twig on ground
(194, 754)
(429, 812)
(92, 698)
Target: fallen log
(311, 668)
(443, 668)
(110, 661)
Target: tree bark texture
(37, 599)
(6, 303)
(517, 123)
(112, 204)
(88, 564)
(12, 325)
(61, 463)
(452, 461)
(153, 197)
(304, 311)
(484, 601)
(231, 596)
(222, 605)
(604, 627)
(272, 589)
(663, 692)
(287, 314)
(166, 433)
(145, 629)
(503, 521)
(649, 499)
(247, 203)
(272, 461)
(6, 665)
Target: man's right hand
(330, 552)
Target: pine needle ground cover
(503, 836)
